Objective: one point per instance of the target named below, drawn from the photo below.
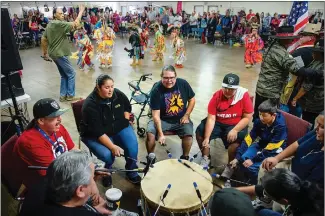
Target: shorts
(221, 131)
(181, 130)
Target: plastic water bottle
(227, 184)
(230, 42)
(169, 155)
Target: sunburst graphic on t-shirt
(175, 104)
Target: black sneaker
(184, 157)
(134, 180)
(107, 181)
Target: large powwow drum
(182, 198)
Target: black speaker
(15, 83)
(10, 58)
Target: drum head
(182, 196)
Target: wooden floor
(204, 69)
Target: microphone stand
(18, 114)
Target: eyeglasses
(169, 78)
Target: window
(213, 8)
(199, 9)
(123, 10)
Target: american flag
(299, 19)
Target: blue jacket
(226, 22)
(308, 162)
(272, 140)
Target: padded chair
(297, 127)
(10, 171)
(77, 113)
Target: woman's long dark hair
(303, 196)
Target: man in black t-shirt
(172, 101)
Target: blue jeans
(68, 81)
(125, 139)
(296, 111)
(268, 212)
(252, 171)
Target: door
(123, 10)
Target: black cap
(230, 202)
(231, 81)
(47, 107)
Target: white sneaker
(227, 172)
(122, 212)
(259, 203)
(205, 161)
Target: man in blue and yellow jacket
(266, 139)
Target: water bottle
(230, 42)
(227, 184)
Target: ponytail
(31, 124)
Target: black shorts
(221, 131)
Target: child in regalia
(135, 52)
(159, 45)
(105, 37)
(253, 44)
(179, 53)
(144, 38)
(85, 49)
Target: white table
(22, 100)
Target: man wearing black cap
(302, 49)
(276, 66)
(230, 202)
(229, 112)
(44, 138)
(311, 94)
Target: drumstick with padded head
(195, 156)
(169, 154)
(188, 166)
(122, 155)
(199, 196)
(233, 180)
(162, 198)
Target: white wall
(271, 7)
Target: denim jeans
(68, 81)
(296, 111)
(126, 139)
(268, 212)
(252, 171)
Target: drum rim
(177, 210)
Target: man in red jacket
(43, 140)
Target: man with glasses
(229, 112)
(172, 101)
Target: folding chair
(77, 113)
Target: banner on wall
(179, 7)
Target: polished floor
(204, 69)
